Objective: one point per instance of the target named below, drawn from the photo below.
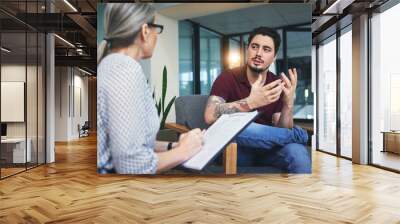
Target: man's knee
(297, 157)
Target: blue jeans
(283, 148)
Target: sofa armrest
(230, 152)
(177, 127)
(230, 159)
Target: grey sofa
(189, 112)
(189, 115)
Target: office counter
(13, 150)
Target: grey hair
(122, 23)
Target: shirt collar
(242, 77)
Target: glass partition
(327, 95)
(299, 57)
(14, 148)
(210, 59)
(385, 89)
(31, 100)
(185, 58)
(346, 92)
(22, 89)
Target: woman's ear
(144, 34)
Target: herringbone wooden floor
(70, 191)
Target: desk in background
(13, 150)
(391, 141)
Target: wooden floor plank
(70, 191)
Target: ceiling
(19, 53)
(228, 18)
(181, 11)
(39, 6)
(76, 24)
(270, 15)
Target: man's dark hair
(266, 31)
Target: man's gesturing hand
(289, 87)
(263, 95)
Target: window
(185, 58)
(277, 67)
(346, 92)
(385, 86)
(327, 95)
(210, 59)
(299, 57)
(234, 55)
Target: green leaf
(160, 103)
(165, 113)
(162, 123)
(164, 86)
(159, 107)
(168, 108)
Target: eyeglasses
(160, 28)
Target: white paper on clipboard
(219, 135)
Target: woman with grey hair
(127, 118)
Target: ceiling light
(79, 51)
(65, 41)
(329, 9)
(5, 50)
(70, 5)
(337, 7)
(86, 72)
(234, 59)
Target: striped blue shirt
(127, 120)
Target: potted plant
(163, 110)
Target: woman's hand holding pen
(190, 143)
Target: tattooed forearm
(243, 105)
(217, 106)
(214, 100)
(225, 108)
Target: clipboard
(218, 136)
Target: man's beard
(257, 70)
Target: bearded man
(272, 140)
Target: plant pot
(167, 135)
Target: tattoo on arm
(227, 108)
(224, 109)
(243, 105)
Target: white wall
(85, 98)
(67, 112)
(61, 103)
(16, 72)
(166, 53)
(79, 117)
(33, 126)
